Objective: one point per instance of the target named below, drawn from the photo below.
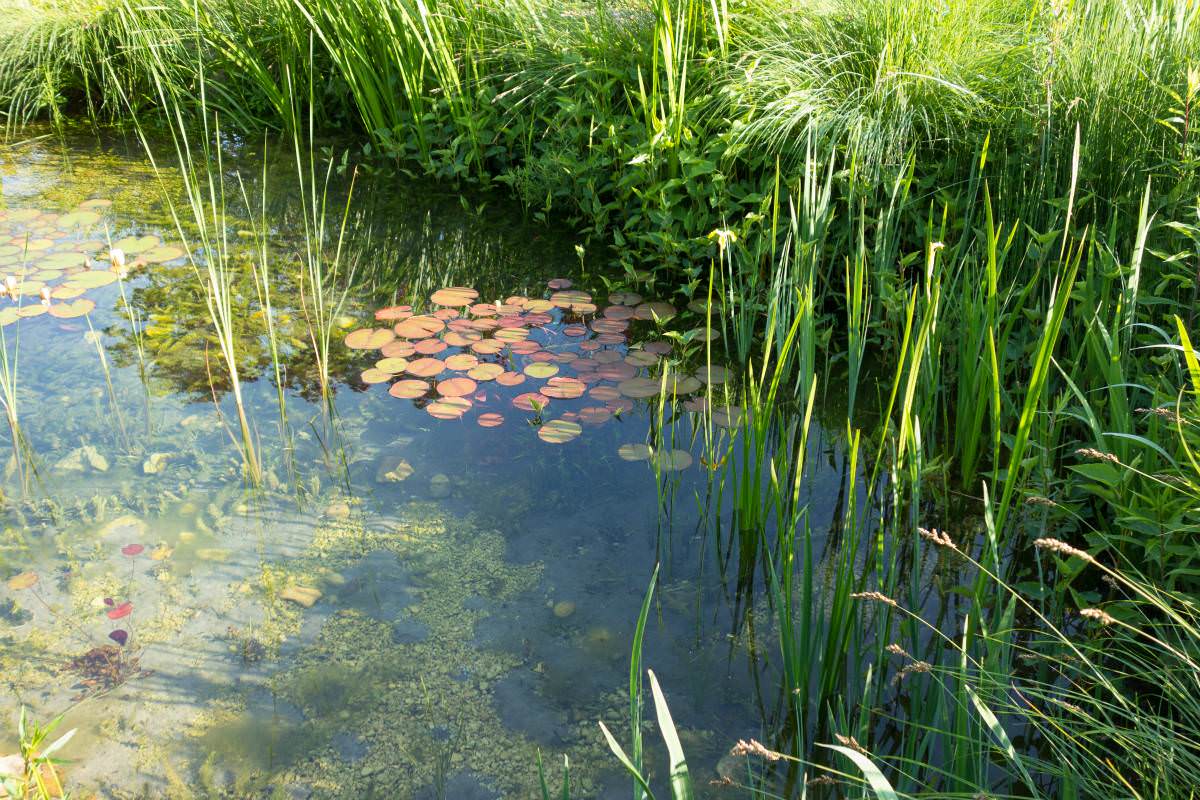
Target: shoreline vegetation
(971, 226)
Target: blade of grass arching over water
(635, 681)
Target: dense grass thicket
(975, 223)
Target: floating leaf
(672, 460)
(487, 347)
(564, 388)
(559, 283)
(448, 408)
(65, 291)
(603, 393)
(119, 636)
(425, 367)
(639, 387)
(409, 389)
(136, 244)
(397, 348)
(132, 550)
(659, 348)
(594, 415)
(374, 375)
(98, 202)
(391, 364)
(640, 358)
(490, 420)
(31, 310)
(569, 297)
(24, 580)
(368, 338)
(539, 369)
(531, 401)
(394, 313)
(625, 298)
(456, 387)
(634, 452)
(159, 255)
(419, 327)
(506, 378)
(461, 362)
(713, 374)
(429, 347)
(485, 372)
(123, 610)
(559, 431)
(161, 552)
(454, 296)
(77, 308)
(654, 310)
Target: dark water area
(418, 599)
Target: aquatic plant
(33, 773)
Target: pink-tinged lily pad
(420, 327)
(559, 431)
(588, 346)
(542, 355)
(490, 420)
(617, 372)
(448, 408)
(24, 580)
(728, 417)
(696, 405)
(540, 369)
(446, 315)
(368, 338)
(512, 334)
(564, 388)
(583, 309)
(534, 320)
(485, 372)
(639, 387)
(374, 375)
(524, 348)
(575, 330)
(484, 310)
(459, 339)
(510, 379)
(618, 313)
(594, 415)
(132, 550)
(622, 405)
(425, 367)
(461, 362)
(607, 357)
(429, 347)
(569, 297)
(456, 387)
(625, 298)
(603, 393)
(121, 611)
(455, 296)
(120, 636)
(394, 313)
(559, 283)
(634, 452)
(538, 306)
(659, 348)
(397, 348)
(531, 401)
(610, 338)
(409, 389)
(487, 347)
(483, 325)
(681, 384)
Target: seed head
(754, 748)
(937, 537)
(878, 597)
(1099, 615)
(1097, 455)
(1063, 549)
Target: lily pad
(634, 452)
(375, 375)
(77, 308)
(80, 219)
(654, 310)
(639, 387)
(409, 389)
(167, 252)
(485, 372)
(425, 367)
(461, 362)
(531, 401)
(559, 283)
(456, 387)
(132, 550)
(455, 296)
(133, 245)
(419, 327)
(559, 431)
(540, 369)
(392, 364)
(429, 347)
(490, 420)
(121, 611)
(564, 388)
(507, 378)
(368, 338)
(672, 460)
(448, 408)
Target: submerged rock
(83, 459)
(564, 609)
(392, 469)
(155, 463)
(127, 528)
(301, 595)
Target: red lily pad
(119, 636)
(448, 408)
(132, 550)
(490, 420)
(123, 610)
(456, 387)
(419, 327)
(425, 367)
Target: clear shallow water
(468, 608)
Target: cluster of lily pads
(530, 354)
(47, 264)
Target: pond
(437, 574)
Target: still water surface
(409, 606)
